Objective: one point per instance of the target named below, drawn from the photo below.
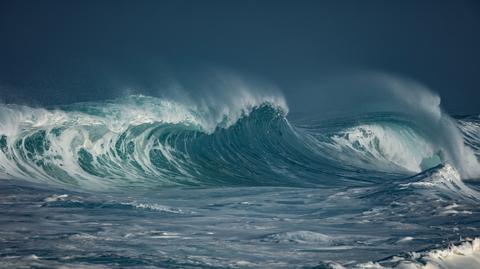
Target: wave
(464, 255)
(443, 177)
(147, 141)
(135, 139)
(424, 107)
(388, 146)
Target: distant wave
(145, 141)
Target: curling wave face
(145, 141)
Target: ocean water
(145, 182)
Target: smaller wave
(424, 108)
(387, 146)
(444, 177)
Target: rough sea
(146, 182)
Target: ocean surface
(145, 182)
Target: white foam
(301, 237)
(406, 239)
(465, 256)
(156, 207)
(56, 197)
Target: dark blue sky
(63, 51)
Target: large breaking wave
(147, 141)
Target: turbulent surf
(141, 182)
